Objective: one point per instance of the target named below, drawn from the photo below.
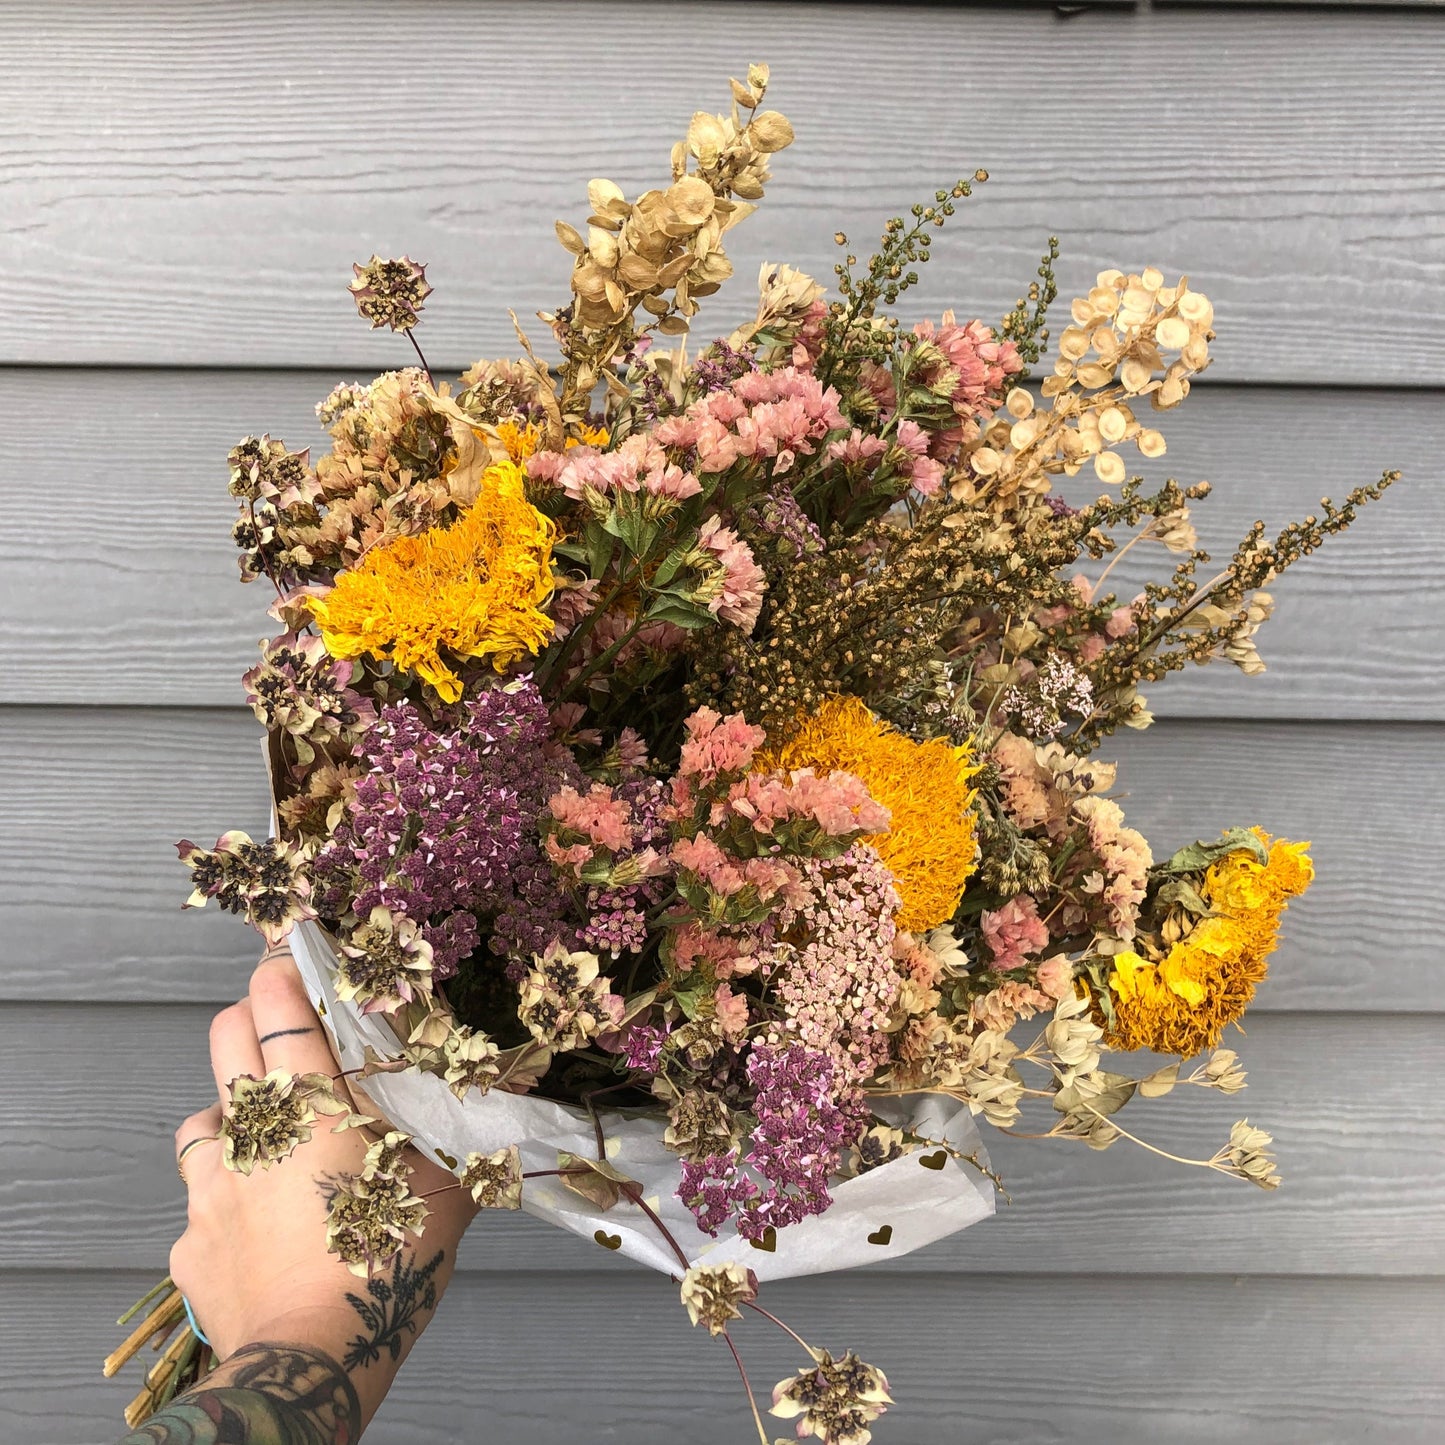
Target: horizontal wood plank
(90, 889)
(88, 1153)
(127, 593)
(190, 183)
(993, 1360)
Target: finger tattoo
(284, 1034)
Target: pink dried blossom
(982, 364)
(1013, 932)
(741, 582)
(717, 745)
(599, 815)
(639, 465)
(1055, 976)
(732, 1013)
(1002, 1007)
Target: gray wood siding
(182, 189)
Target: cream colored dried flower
(1249, 1157)
(712, 1294)
(836, 1399)
(698, 1124)
(270, 1117)
(1073, 1038)
(494, 1180)
(471, 1061)
(385, 1157)
(1222, 1071)
(368, 1221)
(389, 293)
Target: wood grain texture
(189, 183)
(92, 1184)
(1008, 1361)
(128, 593)
(90, 889)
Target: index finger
(287, 1027)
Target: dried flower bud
(390, 293)
(1223, 1072)
(1249, 1157)
(712, 1294)
(494, 1180)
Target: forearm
(318, 1376)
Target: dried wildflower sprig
(664, 250)
(849, 335)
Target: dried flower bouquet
(715, 735)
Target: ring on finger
(186, 1149)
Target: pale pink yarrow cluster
(838, 987)
(779, 415)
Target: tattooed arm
(307, 1349)
(262, 1395)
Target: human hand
(253, 1260)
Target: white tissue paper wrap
(903, 1205)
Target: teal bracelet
(191, 1317)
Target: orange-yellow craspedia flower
(1183, 1003)
(929, 847)
(473, 589)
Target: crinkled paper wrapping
(887, 1212)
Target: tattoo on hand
(391, 1311)
(264, 1394)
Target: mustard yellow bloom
(1183, 1003)
(929, 847)
(523, 440)
(473, 589)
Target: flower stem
(786, 1329)
(416, 348)
(747, 1385)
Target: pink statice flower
(715, 746)
(639, 465)
(603, 818)
(1013, 932)
(1055, 976)
(925, 475)
(731, 1011)
(740, 582)
(775, 415)
(981, 363)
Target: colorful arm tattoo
(264, 1394)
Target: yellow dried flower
(929, 847)
(1183, 1003)
(474, 589)
(523, 440)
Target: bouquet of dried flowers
(714, 733)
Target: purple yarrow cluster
(443, 827)
(805, 1122)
